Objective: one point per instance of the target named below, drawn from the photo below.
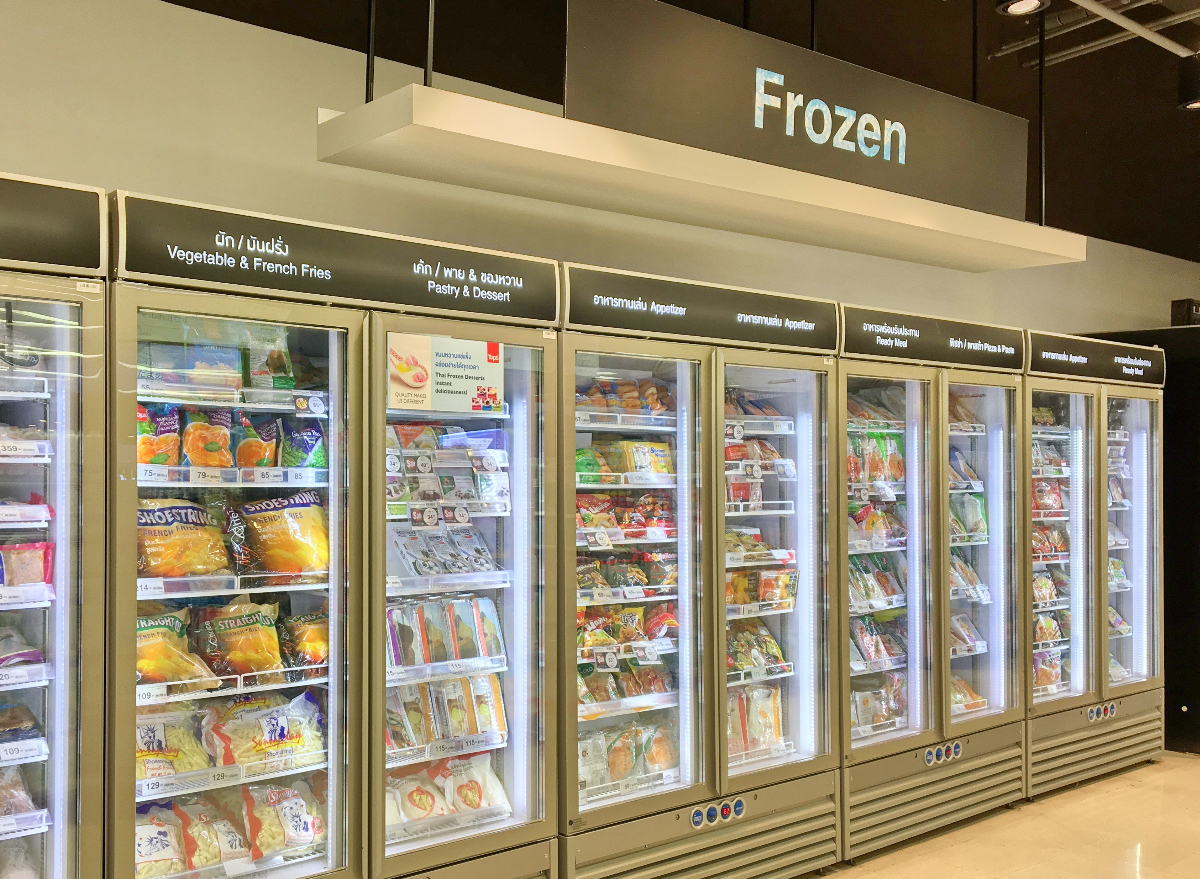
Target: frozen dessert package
(450, 557)
(471, 544)
(435, 631)
(593, 760)
(489, 704)
(158, 426)
(416, 554)
(453, 707)
(206, 437)
(406, 646)
(489, 627)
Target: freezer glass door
(775, 560)
(638, 581)
(1061, 533)
(888, 539)
(465, 578)
(241, 584)
(39, 585)
(983, 548)
(1133, 540)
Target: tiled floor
(1142, 824)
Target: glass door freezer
(461, 720)
(235, 662)
(779, 679)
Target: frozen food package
(1116, 537)
(417, 704)
(593, 760)
(470, 783)
(254, 440)
(489, 627)
(168, 745)
(177, 538)
(1046, 628)
(874, 460)
(24, 564)
(18, 723)
(764, 723)
(660, 748)
(624, 747)
(1043, 588)
(601, 685)
(206, 437)
(268, 362)
(458, 487)
(411, 545)
(447, 553)
(660, 620)
(288, 534)
(735, 729)
(893, 450)
(493, 487)
(1116, 623)
(466, 639)
(489, 704)
(854, 458)
(592, 468)
(17, 861)
(310, 636)
(1064, 621)
(158, 427)
(961, 625)
(398, 729)
(405, 646)
(454, 707)
(301, 443)
(14, 795)
(629, 624)
(211, 360)
(435, 631)
(279, 818)
(163, 655)
(1047, 495)
(957, 528)
(960, 463)
(961, 694)
(210, 838)
(273, 740)
(157, 844)
(247, 641)
(594, 511)
(417, 793)
(1116, 572)
(1116, 492)
(235, 707)
(1047, 669)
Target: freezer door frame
(88, 295)
(1018, 588)
(1092, 694)
(1155, 682)
(827, 366)
(126, 300)
(935, 415)
(451, 850)
(571, 818)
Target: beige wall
(142, 95)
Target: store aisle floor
(1143, 824)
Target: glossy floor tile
(1141, 824)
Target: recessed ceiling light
(1020, 7)
(1189, 83)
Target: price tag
(733, 559)
(861, 493)
(778, 749)
(267, 475)
(605, 658)
(656, 533)
(150, 693)
(785, 468)
(582, 419)
(627, 784)
(308, 403)
(20, 674)
(9, 823)
(735, 429)
(150, 587)
(780, 427)
(205, 475)
(484, 464)
(19, 448)
(603, 595)
(238, 867)
(423, 463)
(302, 475)
(461, 666)
(27, 750)
(597, 538)
(646, 655)
(151, 473)
(456, 514)
(634, 592)
(392, 464)
(423, 517)
(976, 485)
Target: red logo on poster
(493, 352)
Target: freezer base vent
(919, 800)
(1088, 750)
(780, 844)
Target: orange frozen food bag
(177, 538)
(288, 535)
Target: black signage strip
(173, 242)
(47, 226)
(653, 69)
(669, 308)
(1096, 359)
(914, 338)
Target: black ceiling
(1121, 163)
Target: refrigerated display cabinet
(1097, 699)
(234, 664)
(461, 709)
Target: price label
(461, 666)
(150, 693)
(976, 485)
(9, 823)
(862, 494)
(785, 468)
(151, 587)
(778, 749)
(597, 539)
(582, 419)
(267, 475)
(423, 463)
(604, 595)
(423, 517)
(656, 533)
(633, 592)
(302, 476)
(780, 427)
(151, 473)
(456, 514)
(605, 658)
(205, 475)
(19, 751)
(484, 464)
(627, 784)
(646, 655)
(20, 674)
(308, 403)
(19, 448)
(732, 559)
(393, 464)
(735, 429)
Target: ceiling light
(1189, 83)
(1020, 7)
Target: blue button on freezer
(1091, 714)
(958, 749)
(929, 756)
(1112, 709)
(713, 815)
(938, 754)
(739, 808)
(697, 818)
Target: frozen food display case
(1097, 699)
(52, 536)
(234, 682)
(780, 678)
(461, 711)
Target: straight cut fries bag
(271, 740)
(281, 818)
(177, 538)
(208, 837)
(157, 844)
(163, 656)
(246, 640)
(167, 745)
(288, 535)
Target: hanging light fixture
(1189, 83)
(1020, 7)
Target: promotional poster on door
(439, 374)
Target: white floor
(1141, 824)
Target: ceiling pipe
(1081, 19)
(1140, 30)
(1105, 42)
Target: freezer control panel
(1102, 712)
(717, 813)
(939, 754)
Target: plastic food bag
(660, 751)
(1047, 495)
(470, 783)
(972, 513)
(268, 364)
(17, 723)
(168, 746)
(274, 740)
(489, 704)
(489, 627)
(163, 656)
(206, 437)
(764, 725)
(254, 440)
(177, 538)
(623, 744)
(282, 818)
(14, 795)
(288, 535)
(157, 844)
(1046, 628)
(210, 838)
(23, 564)
(301, 443)
(735, 729)
(310, 637)
(16, 861)
(247, 640)
(158, 434)
(417, 793)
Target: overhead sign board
(894, 335)
(216, 248)
(648, 68)
(52, 227)
(1077, 357)
(648, 305)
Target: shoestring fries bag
(288, 535)
(177, 538)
